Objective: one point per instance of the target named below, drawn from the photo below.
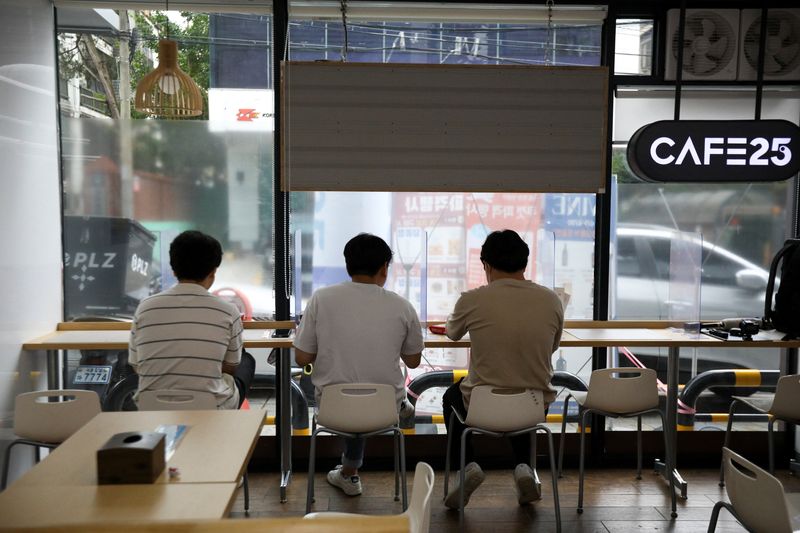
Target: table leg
(669, 466)
(53, 370)
(284, 418)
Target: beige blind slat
(378, 127)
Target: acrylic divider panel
(685, 267)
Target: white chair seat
(762, 404)
(358, 410)
(757, 499)
(782, 405)
(501, 412)
(42, 423)
(418, 512)
(616, 392)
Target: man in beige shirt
(514, 327)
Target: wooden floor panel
(614, 502)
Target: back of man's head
(365, 254)
(193, 255)
(505, 251)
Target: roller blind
(379, 127)
(487, 13)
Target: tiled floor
(614, 501)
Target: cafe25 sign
(686, 151)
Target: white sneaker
(528, 487)
(350, 485)
(473, 477)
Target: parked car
(730, 286)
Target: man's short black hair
(506, 251)
(365, 254)
(193, 255)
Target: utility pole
(125, 134)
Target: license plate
(92, 375)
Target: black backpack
(785, 316)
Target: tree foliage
(193, 48)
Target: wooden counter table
(577, 333)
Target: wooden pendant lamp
(168, 91)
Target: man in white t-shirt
(358, 332)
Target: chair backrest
(623, 390)
(175, 400)
(503, 409)
(36, 417)
(756, 495)
(358, 407)
(419, 510)
(785, 404)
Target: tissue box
(132, 457)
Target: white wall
(30, 226)
(633, 112)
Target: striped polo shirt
(181, 337)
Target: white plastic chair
(356, 410)
(175, 400)
(502, 412)
(185, 400)
(617, 393)
(43, 423)
(757, 498)
(783, 405)
(419, 510)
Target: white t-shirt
(179, 340)
(358, 332)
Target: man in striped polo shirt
(185, 338)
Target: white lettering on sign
(92, 260)
(139, 265)
(734, 150)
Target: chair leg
(311, 459)
(639, 447)
(712, 524)
(563, 434)
(403, 482)
(556, 503)
(727, 443)
(447, 455)
(6, 462)
(461, 478)
(396, 468)
(771, 444)
(533, 451)
(246, 487)
(668, 465)
(583, 418)
(37, 454)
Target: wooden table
(214, 449)
(51, 505)
(210, 458)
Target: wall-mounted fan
(710, 44)
(782, 52)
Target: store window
(132, 182)
(737, 227)
(633, 50)
(436, 236)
